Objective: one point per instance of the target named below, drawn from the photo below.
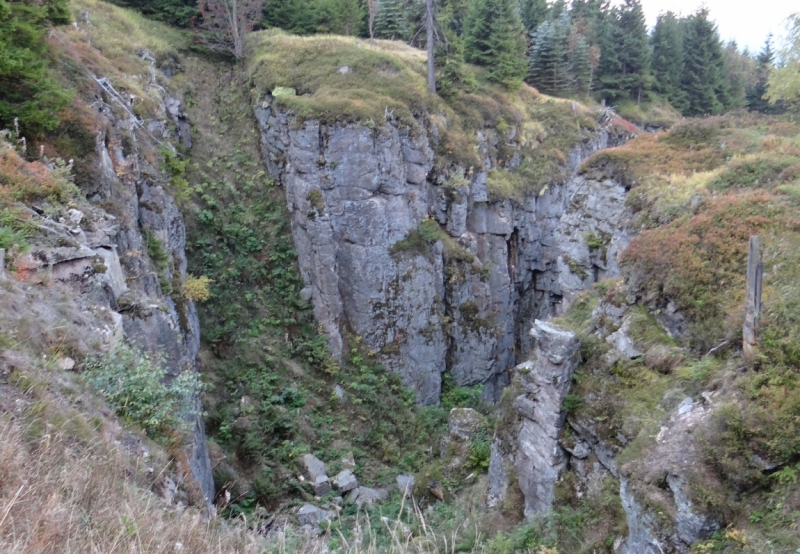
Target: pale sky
(746, 21)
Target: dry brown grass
(59, 495)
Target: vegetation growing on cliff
(700, 190)
(344, 80)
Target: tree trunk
(431, 67)
(372, 5)
(752, 306)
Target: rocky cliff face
(458, 296)
(122, 253)
(545, 380)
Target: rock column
(546, 380)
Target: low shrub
(137, 387)
(756, 170)
(196, 288)
(698, 261)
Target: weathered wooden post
(2, 263)
(752, 306)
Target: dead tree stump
(752, 306)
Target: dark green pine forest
(582, 49)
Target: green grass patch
(385, 82)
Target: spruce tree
(533, 13)
(27, 91)
(755, 95)
(452, 75)
(593, 13)
(610, 67)
(580, 64)
(703, 78)
(624, 71)
(390, 22)
(478, 30)
(667, 60)
(740, 72)
(549, 62)
(494, 38)
(508, 46)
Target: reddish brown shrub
(699, 261)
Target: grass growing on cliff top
(372, 82)
(271, 380)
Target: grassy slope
(699, 191)
(272, 396)
(389, 77)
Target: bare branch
(225, 23)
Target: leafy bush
(757, 170)
(459, 397)
(196, 288)
(571, 403)
(480, 452)
(134, 385)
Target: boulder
(321, 485)
(345, 481)
(349, 462)
(405, 483)
(622, 342)
(310, 515)
(366, 496)
(312, 466)
(464, 423)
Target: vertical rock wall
(101, 251)
(354, 193)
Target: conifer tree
(341, 17)
(703, 78)
(624, 71)
(740, 74)
(580, 62)
(295, 16)
(390, 22)
(494, 38)
(667, 60)
(592, 13)
(451, 71)
(27, 91)
(610, 67)
(755, 94)
(549, 62)
(533, 13)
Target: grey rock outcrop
(103, 249)
(310, 515)
(405, 483)
(590, 234)
(354, 193)
(546, 380)
(670, 461)
(498, 480)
